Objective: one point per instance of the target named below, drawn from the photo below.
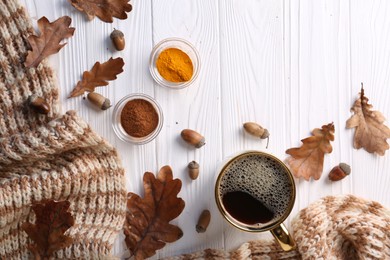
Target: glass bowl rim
(159, 79)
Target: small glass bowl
(120, 131)
(182, 45)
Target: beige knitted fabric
(343, 227)
(50, 156)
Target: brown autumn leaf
(48, 42)
(98, 76)
(308, 160)
(52, 220)
(104, 9)
(147, 227)
(370, 134)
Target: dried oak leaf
(147, 227)
(370, 133)
(52, 220)
(104, 9)
(48, 42)
(308, 160)
(98, 76)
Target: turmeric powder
(174, 65)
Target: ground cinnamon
(139, 118)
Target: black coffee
(256, 189)
(245, 208)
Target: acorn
(339, 172)
(257, 130)
(193, 138)
(203, 221)
(102, 102)
(193, 170)
(118, 39)
(38, 104)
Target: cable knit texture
(343, 227)
(50, 156)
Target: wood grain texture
(291, 66)
(253, 89)
(197, 108)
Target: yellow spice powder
(175, 65)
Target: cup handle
(283, 237)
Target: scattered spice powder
(139, 118)
(175, 65)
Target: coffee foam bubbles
(263, 178)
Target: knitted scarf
(51, 156)
(343, 227)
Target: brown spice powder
(139, 118)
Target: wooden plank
(196, 107)
(320, 84)
(253, 84)
(370, 52)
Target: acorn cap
(102, 102)
(345, 168)
(265, 134)
(106, 104)
(193, 165)
(116, 33)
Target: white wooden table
(290, 65)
